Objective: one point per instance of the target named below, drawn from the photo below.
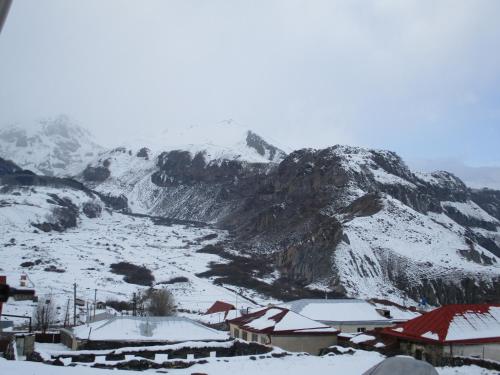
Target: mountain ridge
(353, 221)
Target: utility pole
(66, 315)
(74, 304)
(95, 300)
(134, 305)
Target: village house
(121, 331)
(285, 329)
(348, 315)
(451, 331)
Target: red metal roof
(220, 306)
(464, 323)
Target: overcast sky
(418, 77)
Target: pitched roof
(453, 324)
(220, 306)
(337, 310)
(278, 320)
(137, 328)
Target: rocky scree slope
(352, 221)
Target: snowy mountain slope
(341, 219)
(142, 171)
(399, 248)
(224, 140)
(84, 253)
(52, 147)
(346, 220)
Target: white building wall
(489, 351)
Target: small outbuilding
(469, 330)
(401, 365)
(121, 331)
(283, 328)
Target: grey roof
(137, 328)
(401, 365)
(338, 311)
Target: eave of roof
(272, 332)
(482, 340)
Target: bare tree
(158, 302)
(45, 313)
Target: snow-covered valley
(83, 255)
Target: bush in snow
(158, 302)
(92, 209)
(45, 313)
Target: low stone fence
(468, 361)
(180, 355)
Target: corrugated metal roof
(466, 323)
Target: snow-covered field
(83, 255)
(354, 364)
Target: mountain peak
(54, 146)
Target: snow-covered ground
(428, 244)
(56, 146)
(83, 255)
(354, 364)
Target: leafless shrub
(45, 313)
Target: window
(255, 337)
(236, 333)
(263, 340)
(361, 329)
(244, 335)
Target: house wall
(249, 336)
(489, 351)
(311, 344)
(434, 353)
(68, 339)
(355, 327)
(427, 352)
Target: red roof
(281, 321)
(478, 323)
(220, 306)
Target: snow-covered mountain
(136, 171)
(346, 220)
(54, 147)
(58, 232)
(354, 221)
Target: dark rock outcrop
(96, 174)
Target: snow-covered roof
(398, 313)
(135, 328)
(337, 310)
(453, 323)
(278, 320)
(218, 317)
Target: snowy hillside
(399, 246)
(52, 147)
(224, 140)
(54, 260)
(131, 170)
(346, 220)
